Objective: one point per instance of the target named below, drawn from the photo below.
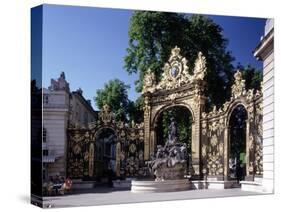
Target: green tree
(183, 119)
(115, 95)
(135, 111)
(152, 35)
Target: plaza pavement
(105, 196)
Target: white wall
(55, 119)
(268, 115)
(268, 124)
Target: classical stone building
(81, 111)
(265, 52)
(61, 107)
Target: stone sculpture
(170, 161)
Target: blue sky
(89, 45)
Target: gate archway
(105, 157)
(177, 87)
(85, 148)
(238, 133)
(217, 133)
(182, 116)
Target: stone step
(122, 183)
(80, 185)
(258, 179)
(251, 186)
(150, 186)
(214, 184)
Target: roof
(83, 100)
(266, 41)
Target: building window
(45, 152)
(44, 173)
(44, 135)
(45, 99)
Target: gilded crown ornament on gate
(175, 73)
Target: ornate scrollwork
(250, 95)
(91, 160)
(214, 141)
(251, 167)
(216, 126)
(200, 68)
(172, 97)
(204, 150)
(214, 165)
(75, 169)
(259, 137)
(251, 114)
(204, 127)
(149, 82)
(132, 148)
(251, 142)
(175, 71)
(106, 115)
(132, 135)
(258, 159)
(118, 159)
(259, 119)
(132, 166)
(238, 88)
(198, 90)
(141, 135)
(76, 149)
(214, 156)
(147, 107)
(77, 137)
(129, 143)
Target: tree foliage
(183, 119)
(152, 35)
(114, 94)
(135, 111)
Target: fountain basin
(142, 186)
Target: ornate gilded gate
(177, 88)
(210, 130)
(81, 147)
(216, 133)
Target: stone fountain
(167, 167)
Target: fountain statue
(170, 161)
(167, 166)
(173, 132)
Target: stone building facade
(61, 107)
(265, 52)
(80, 110)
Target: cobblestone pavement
(103, 196)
